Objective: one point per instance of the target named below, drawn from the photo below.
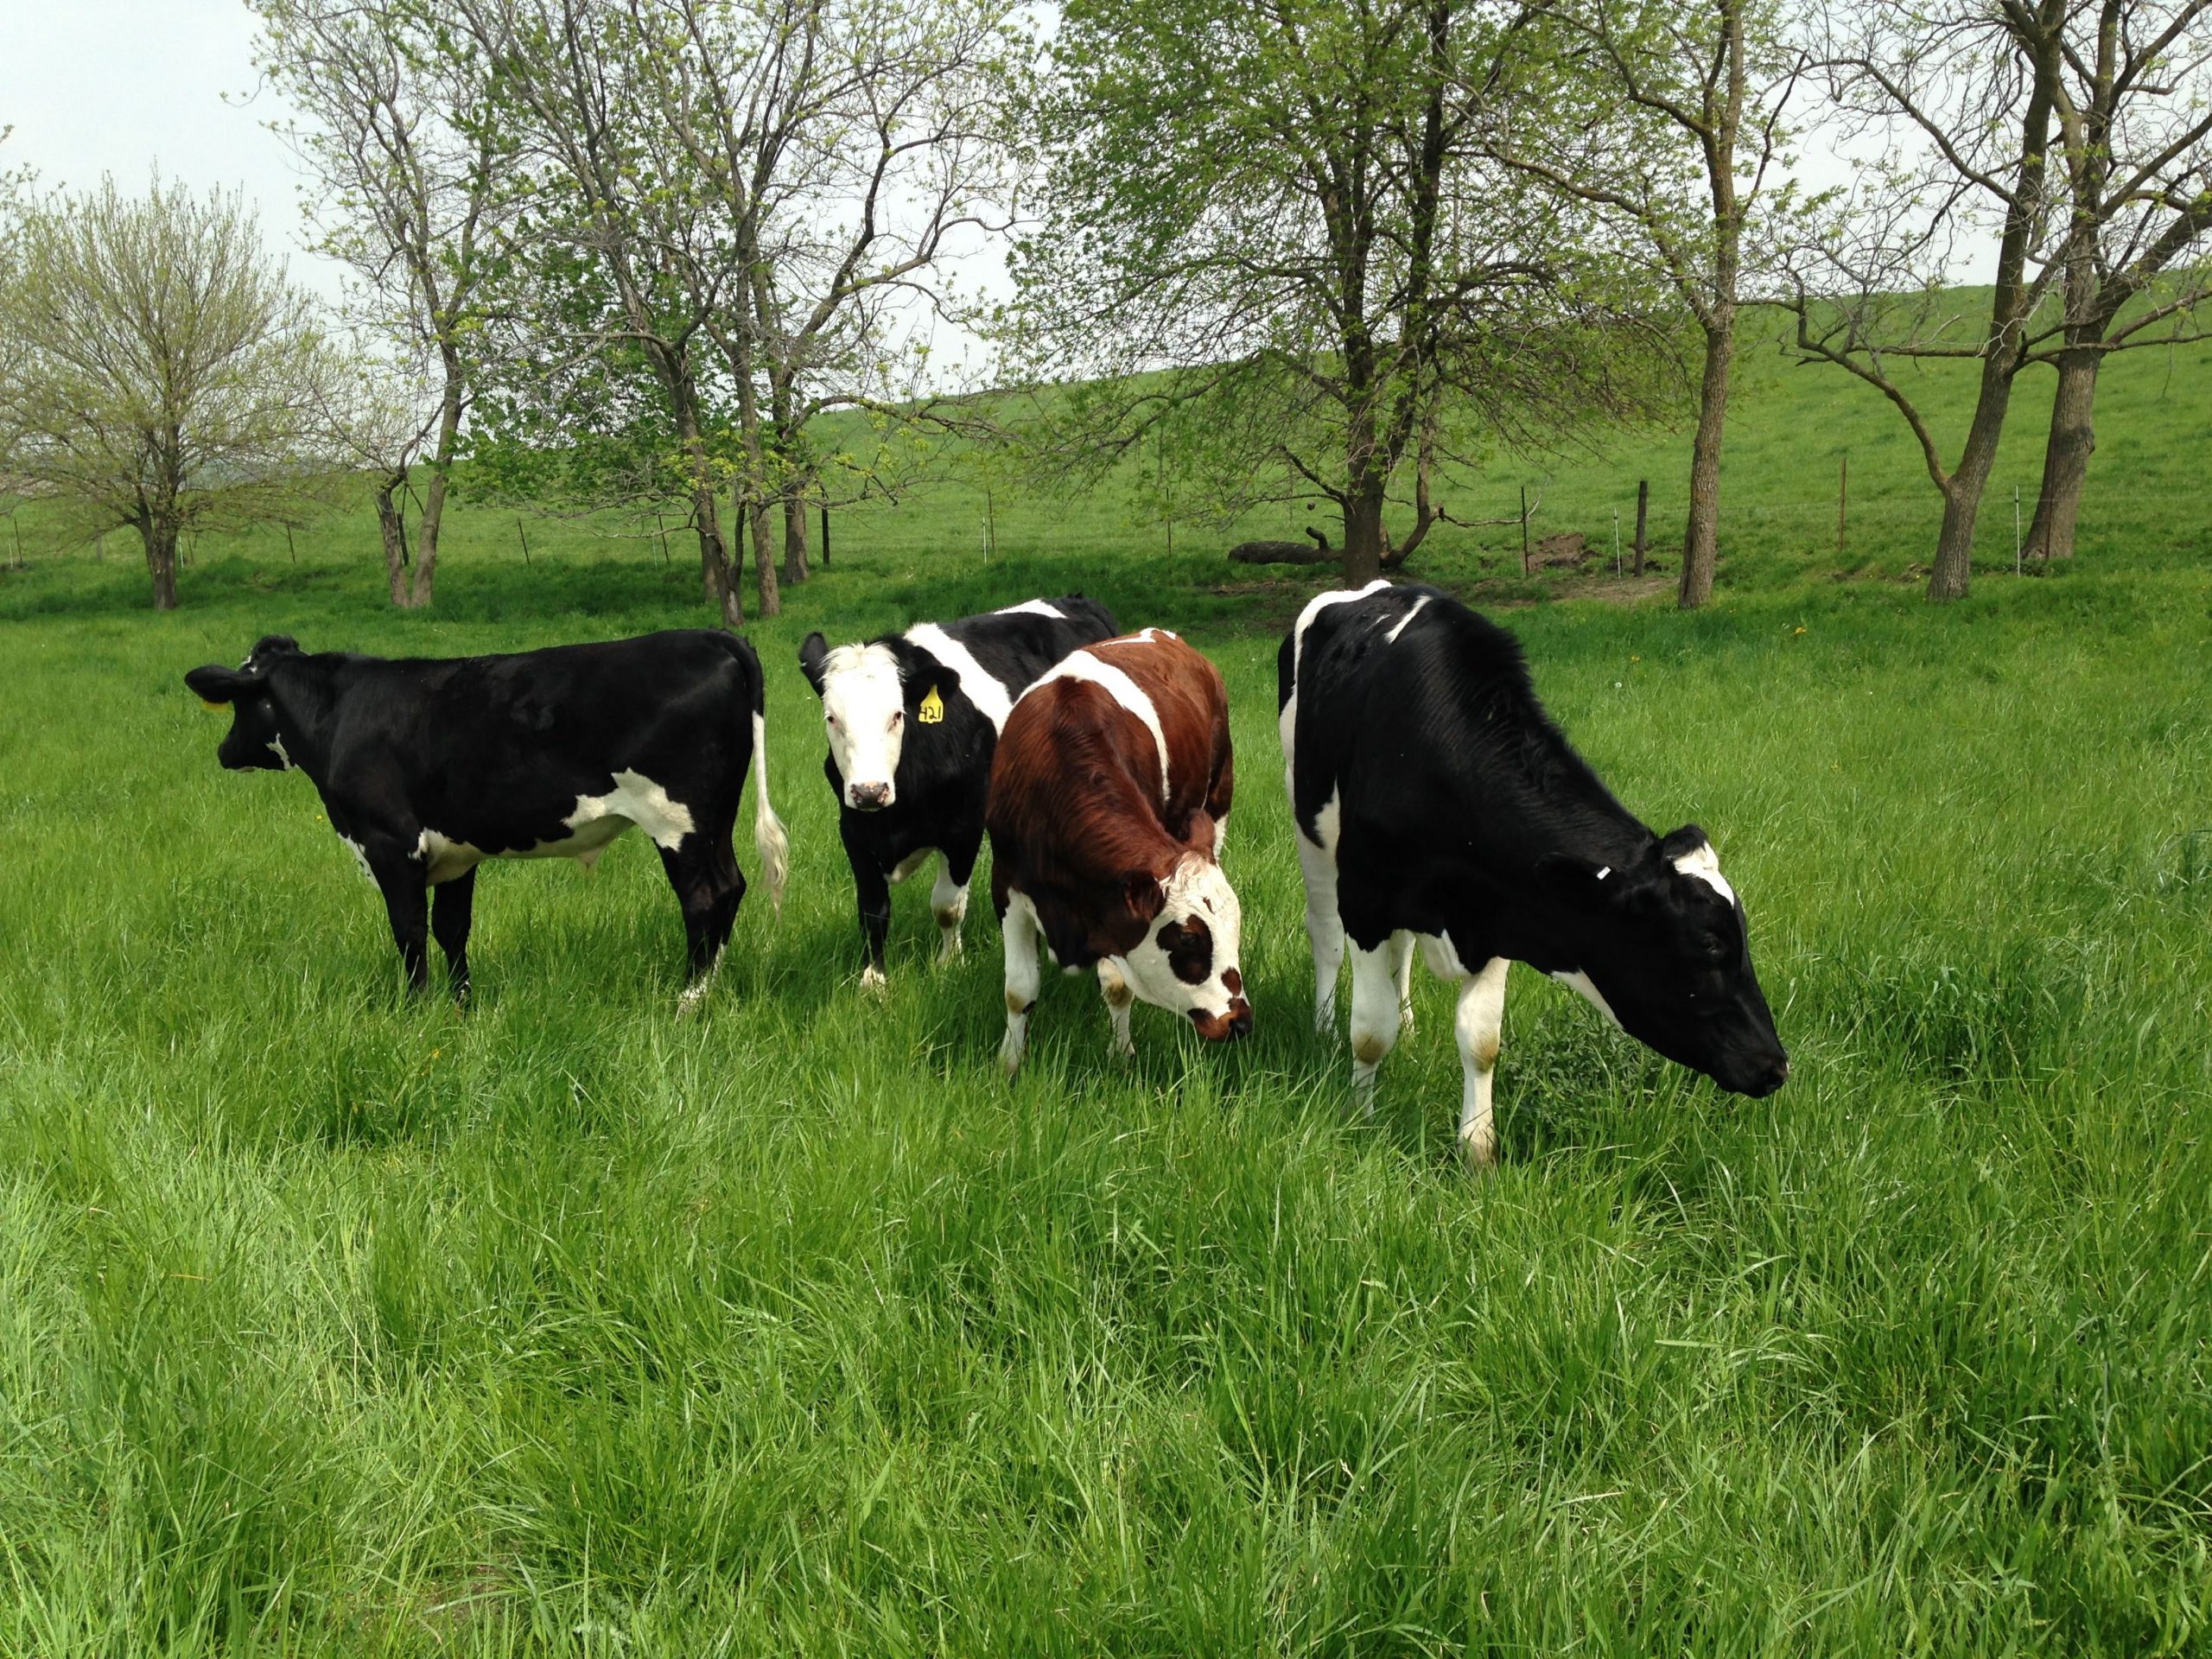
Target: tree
(1977, 110)
(617, 255)
(2133, 103)
(1282, 214)
(411, 176)
(156, 372)
(1667, 119)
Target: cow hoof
(871, 979)
(1009, 1062)
(1121, 1048)
(688, 1004)
(1478, 1157)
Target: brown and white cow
(1109, 801)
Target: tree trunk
(393, 529)
(795, 569)
(1962, 490)
(2066, 456)
(159, 534)
(764, 568)
(1701, 536)
(433, 503)
(1363, 533)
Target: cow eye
(1715, 947)
(900, 715)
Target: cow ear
(812, 650)
(920, 685)
(1578, 880)
(218, 684)
(1144, 895)
(1199, 833)
(1680, 842)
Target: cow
(1436, 801)
(1109, 806)
(913, 719)
(428, 767)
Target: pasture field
(332, 1323)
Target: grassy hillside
(336, 1324)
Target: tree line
(632, 253)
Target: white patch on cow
(1329, 824)
(1391, 638)
(1220, 836)
(1314, 606)
(1324, 927)
(1195, 890)
(1704, 863)
(984, 690)
(1442, 957)
(1033, 607)
(1082, 665)
(1019, 933)
(1154, 636)
(442, 858)
(276, 743)
(1580, 984)
(905, 868)
(862, 705)
(361, 857)
(636, 799)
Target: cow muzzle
(1224, 1027)
(868, 797)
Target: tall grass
(335, 1323)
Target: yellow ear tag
(217, 707)
(932, 711)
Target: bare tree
(1668, 120)
(1975, 112)
(411, 175)
(2134, 103)
(156, 371)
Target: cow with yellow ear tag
(912, 721)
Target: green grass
(335, 1323)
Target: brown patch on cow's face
(1219, 1027)
(1188, 945)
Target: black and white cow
(428, 767)
(1435, 800)
(912, 719)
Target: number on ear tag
(932, 711)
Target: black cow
(912, 719)
(1435, 799)
(428, 767)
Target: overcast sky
(121, 86)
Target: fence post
(1617, 541)
(826, 533)
(523, 538)
(1642, 503)
(1525, 530)
(2016, 529)
(1842, 498)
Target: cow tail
(768, 836)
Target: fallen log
(1279, 553)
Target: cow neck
(303, 691)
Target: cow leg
(703, 869)
(1374, 1014)
(949, 897)
(1116, 989)
(1018, 927)
(1480, 1019)
(1402, 952)
(452, 905)
(874, 888)
(397, 868)
(1324, 928)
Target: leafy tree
(156, 371)
(1283, 213)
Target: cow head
(868, 705)
(1664, 952)
(254, 742)
(1186, 960)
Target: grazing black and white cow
(1435, 800)
(912, 719)
(428, 767)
